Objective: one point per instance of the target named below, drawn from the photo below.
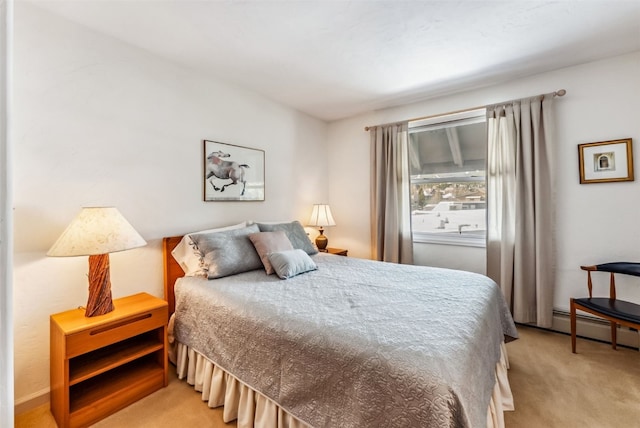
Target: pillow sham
(187, 255)
(290, 263)
(227, 253)
(295, 232)
(269, 242)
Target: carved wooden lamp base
(99, 302)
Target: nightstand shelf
(337, 251)
(108, 386)
(110, 357)
(102, 364)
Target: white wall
(596, 223)
(98, 122)
(6, 220)
(472, 259)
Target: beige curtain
(391, 239)
(520, 206)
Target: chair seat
(620, 309)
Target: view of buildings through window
(448, 187)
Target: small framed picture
(232, 173)
(606, 161)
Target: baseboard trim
(594, 328)
(31, 401)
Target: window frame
(439, 122)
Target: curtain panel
(521, 206)
(391, 238)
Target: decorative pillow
(227, 253)
(270, 242)
(290, 263)
(187, 255)
(295, 232)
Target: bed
(348, 343)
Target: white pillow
(186, 255)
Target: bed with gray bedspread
(356, 343)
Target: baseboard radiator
(594, 328)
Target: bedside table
(337, 251)
(102, 364)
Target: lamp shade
(321, 216)
(96, 230)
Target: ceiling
(335, 59)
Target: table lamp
(96, 232)
(320, 217)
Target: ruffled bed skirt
(252, 409)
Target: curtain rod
(558, 93)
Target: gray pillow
(290, 263)
(188, 257)
(227, 253)
(295, 232)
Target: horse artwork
(228, 167)
(222, 169)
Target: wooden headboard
(172, 270)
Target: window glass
(448, 185)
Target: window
(448, 179)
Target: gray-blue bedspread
(356, 343)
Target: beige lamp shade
(96, 232)
(321, 216)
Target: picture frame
(606, 161)
(232, 173)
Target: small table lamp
(96, 232)
(321, 216)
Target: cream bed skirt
(252, 409)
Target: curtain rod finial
(560, 93)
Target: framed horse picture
(232, 173)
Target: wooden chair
(617, 312)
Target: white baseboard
(594, 328)
(31, 401)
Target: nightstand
(337, 251)
(102, 364)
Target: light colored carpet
(552, 387)
(597, 387)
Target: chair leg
(573, 326)
(614, 334)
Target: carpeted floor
(595, 388)
(552, 387)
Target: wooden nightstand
(337, 251)
(102, 364)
